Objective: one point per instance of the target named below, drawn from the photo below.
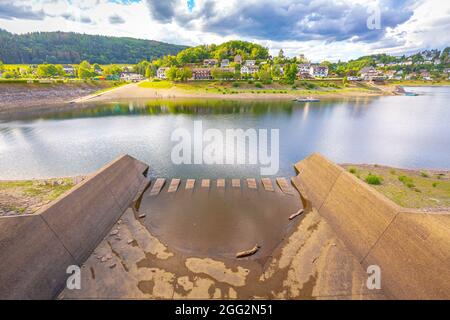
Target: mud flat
(19, 98)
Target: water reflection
(399, 131)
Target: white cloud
(321, 29)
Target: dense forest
(69, 47)
(226, 50)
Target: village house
(353, 78)
(68, 69)
(210, 62)
(250, 62)
(249, 69)
(238, 59)
(370, 74)
(318, 71)
(425, 75)
(131, 77)
(161, 73)
(303, 67)
(201, 74)
(390, 74)
(446, 70)
(225, 63)
(412, 75)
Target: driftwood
(292, 216)
(247, 253)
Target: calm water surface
(399, 131)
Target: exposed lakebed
(399, 131)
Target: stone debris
(159, 184)
(247, 253)
(173, 187)
(114, 232)
(251, 183)
(205, 183)
(285, 186)
(142, 215)
(190, 183)
(112, 266)
(220, 183)
(292, 216)
(267, 184)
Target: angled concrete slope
(412, 248)
(36, 250)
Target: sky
(320, 29)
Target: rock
(109, 256)
(104, 259)
(142, 215)
(114, 232)
(130, 241)
(112, 266)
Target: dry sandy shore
(23, 98)
(134, 91)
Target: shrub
(424, 174)
(352, 170)
(407, 181)
(434, 184)
(373, 179)
(258, 85)
(235, 84)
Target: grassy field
(420, 189)
(316, 87)
(28, 196)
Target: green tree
(290, 72)
(1, 66)
(150, 71)
(184, 74)
(265, 74)
(85, 70)
(48, 71)
(171, 73)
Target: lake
(402, 131)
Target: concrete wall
(412, 248)
(36, 250)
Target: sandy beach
(137, 91)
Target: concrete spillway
(321, 254)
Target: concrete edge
(37, 249)
(387, 248)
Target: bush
(258, 85)
(235, 84)
(407, 181)
(424, 174)
(434, 184)
(373, 179)
(352, 170)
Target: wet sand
(220, 221)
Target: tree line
(70, 47)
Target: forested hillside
(69, 47)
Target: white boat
(307, 99)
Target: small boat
(411, 94)
(307, 99)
